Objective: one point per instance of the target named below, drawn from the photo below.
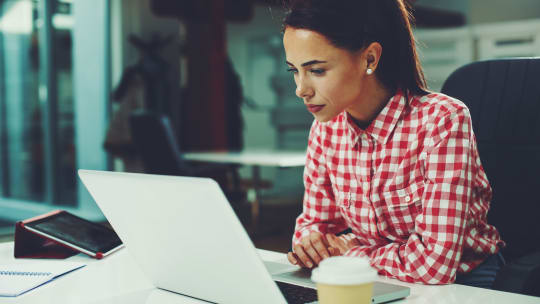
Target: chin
(323, 118)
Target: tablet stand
(32, 245)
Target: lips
(314, 108)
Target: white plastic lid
(342, 270)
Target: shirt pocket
(399, 208)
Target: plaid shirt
(410, 186)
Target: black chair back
(154, 139)
(503, 97)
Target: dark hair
(355, 24)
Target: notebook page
(21, 277)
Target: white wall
(487, 11)
(453, 5)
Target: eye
(293, 70)
(317, 72)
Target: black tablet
(72, 231)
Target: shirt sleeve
(432, 253)
(320, 212)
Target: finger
(332, 241)
(333, 251)
(353, 242)
(310, 250)
(293, 257)
(325, 240)
(338, 243)
(350, 241)
(304, 258)
(313, 254)
(318, 244)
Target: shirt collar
(385, 122)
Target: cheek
(340, 90)
(329, 88)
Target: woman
(392, 162)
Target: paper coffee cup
(344, 280)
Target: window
(20, 115)
(43, 140)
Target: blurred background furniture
(160, 153)
(443, 50)
(503, 96)
(255, 159)
(156, 144)
(508, 39)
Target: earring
(369, 71)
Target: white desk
(254, 158)
(117, 280)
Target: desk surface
(251, 158)
(117, 279)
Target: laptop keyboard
(297, 294)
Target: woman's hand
(311, 251)
(343, 242)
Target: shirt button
(408, 199)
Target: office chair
(155, 142)
(503, 97)
(160, 152)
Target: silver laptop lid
(184, 235)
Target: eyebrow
(308, 62)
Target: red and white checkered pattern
(410, 186)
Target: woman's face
(328, 79)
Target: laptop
(187, 239)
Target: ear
(372, 55)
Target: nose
(303, 89)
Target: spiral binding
(24, 273)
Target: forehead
(302, 45)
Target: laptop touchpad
(290, 274)
(277, 268)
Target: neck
(371, 104)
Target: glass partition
(41, 133)
(62, 67)
(21, 145)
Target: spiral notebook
(19, 278)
